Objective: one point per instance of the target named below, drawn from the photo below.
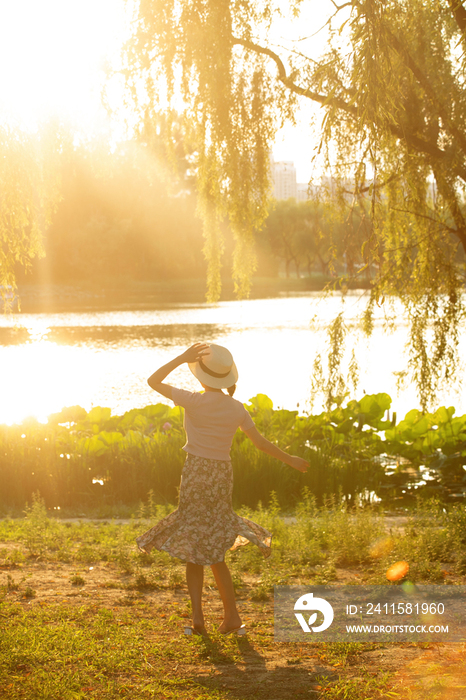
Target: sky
(309, 35)
(54, 54)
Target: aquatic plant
(355, 453)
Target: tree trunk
(323, 264)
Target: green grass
(66, 652)
(53, 651)
(131, 645)
(308, 547)
(365, 686)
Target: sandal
(191, 631)
(239, 631)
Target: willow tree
(391, 86)
(29, 193)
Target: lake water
(103, 358)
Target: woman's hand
(195, 352)
(300, 464)
(269, 448)
(192, 354)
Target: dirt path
(436, 673)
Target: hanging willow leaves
(393, 137)
(183, 59)
(29, 192)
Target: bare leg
(195, 580)
(222, 576)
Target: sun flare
(55, 54)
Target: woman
(204, 526)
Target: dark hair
(231, 389)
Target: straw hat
(215, 369)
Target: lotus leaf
(338, 415)
(157, 412)
(452, 429)
(375, 405)
(110, 439)
(261, 402)
(126, 421)
(345, 427)
(344, 446)
(284, 419)
(432, 440)
(395, 434)
(338, 438)
(99, 414)
(92, 446)
(443, 415)
(175, 415)
(421, 427)
(71, 414)
(133, 438)
(412, 417)
(140, 423)
(382, 425)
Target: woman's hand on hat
(299, 463)
(195, 352)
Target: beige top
(211, 419)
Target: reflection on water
(104, 358)
(106, 336)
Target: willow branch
(420, 145)
(288, 82)
(423, 80)
(340, 7)
(375, 186)
(450, 196)
(417, 214)
(459, 13)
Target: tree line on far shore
(122, 217)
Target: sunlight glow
(50, 375)
(55, 54)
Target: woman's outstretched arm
(269, 448)
(192, 354)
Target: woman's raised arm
(269, 448)
(192, 354)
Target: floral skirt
(204, 526)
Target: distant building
(306, 191)
(432, 191)
(284, 179)
(283, 175)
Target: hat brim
(214, 382)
